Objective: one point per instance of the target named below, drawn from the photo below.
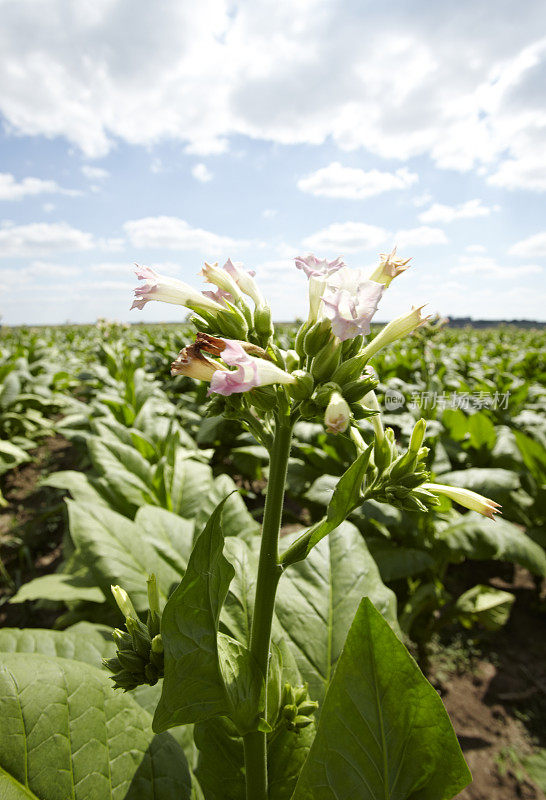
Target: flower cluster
(326, 376)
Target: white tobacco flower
(466, 497)
(396, 329)
(245, 281)
(389, 268)
(317, 267)
(222, 279)
(124, 602)
(170, 290)
(337, 415)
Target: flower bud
(417, 436)
(338, 414)
(350, 370)
(302, 389)
(396, 329)
(326, 361)
(292, 360)
(263, 324)
(317, 337)
(157, 644)
(352, 347)
(153, 594)
(300, 337)
(467, 498)
(124, 602)
(356, 390)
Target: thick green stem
(269, 573)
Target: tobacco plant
(226, 660)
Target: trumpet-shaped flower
(389, 268)
(222, 279)
(350, 301)
(337, 415)
(245, 281)
(466, 497)
(170, 290)
(250, 373)
(318, 267)
(396, 329)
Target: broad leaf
(116, 553)
(67, 734)
(170, 535)
(193, 687)
(80, 642)
(383, 731)
(396, 561)
(317, 600)
(486, 605)
(478, 538)
(59, 587)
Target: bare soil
(493, 685)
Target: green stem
(269, 572)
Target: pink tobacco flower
(317, 267)
(250, 373)
(170, 290)
(350, 301)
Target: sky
(174, 132)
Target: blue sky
(174, 132)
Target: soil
(492, 684)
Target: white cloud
(422, 236)
(269, 213)
(442, 213)
(393, 80)
(475, 248)
(346, 237)
(95, 173)
(49, 207)
(175, 234)
(526, 172)
(488, 267)
(336, 180)
(12, 189)
(41, 238)
(421, 199)
(533, 247)
(202, 173)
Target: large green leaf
(81, 642)
(383, 731)
(170, 535)
(193, 687)
(59, 587)
(396, 561)
(317, 600)
(479, 538)
(115, 552)
(67, 734)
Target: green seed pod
(324, 392)
(122, 639)
(232, 323)
(350, 370)
(125, 680)
(317, 337)
(301, 693)
(131, 661)
(356, 390)
(413, 480)
(310, 410)
(263, 324)
(158, 660)
(112, 664)
(288, 696)
(359, 412)
(307, 708)
(300, 336)
(292, 361)
(142, 642)
(352, 347)
(302, 722)
(302, 389)
(151, 674)
(326, 361)
(290, 712)
(157, 644)
(402, 466)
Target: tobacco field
(109, 470)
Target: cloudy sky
(171, 132)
